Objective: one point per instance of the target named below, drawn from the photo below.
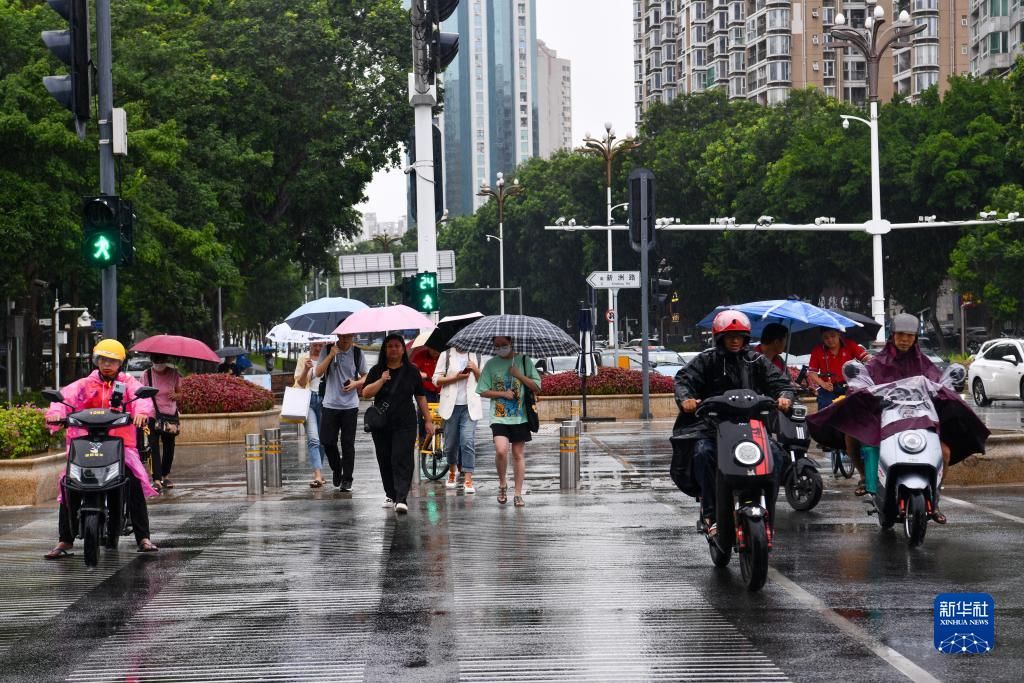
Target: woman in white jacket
(456, 375)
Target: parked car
(998, 373)
(137, 366)
(928, 350)
(553, 364)
(663, 362)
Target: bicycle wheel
(433, 464)
(842, 463)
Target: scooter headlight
(912, 442)
(747, 453)
(107, 474)
(75, 472)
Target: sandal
(316, 483)
(937, 516)
(502, 494)
(861, 489)
(158, 485)
(168, 484)
(147, 546)
(518, 501)
(59, 552)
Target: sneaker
(469, 486)
(346, 485)
(401, 507)
(389, 503)
(450, 484)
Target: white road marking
(997, 513)
(886, 653)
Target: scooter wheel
(754, 560)
(916, 523)
(91, 538)
(803, 489)
(719, 556)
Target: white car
(998, 372)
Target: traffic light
(660, 288)
(441, 47)
(425, 292)
(108, 226)
(71, 46)
(407, 288)
(641, 208)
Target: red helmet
(730, 321)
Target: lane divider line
(997, 513)
(884, 652)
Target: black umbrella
(447, 328)
(804, 341)
(231, 351)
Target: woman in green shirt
(502, 381)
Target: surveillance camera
(408, 169)
(572, 221)
(846, 124)
(1013, 215)
(560, 221)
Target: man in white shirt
(456, 375)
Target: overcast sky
(597, 36)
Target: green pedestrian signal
(107, 231)
(425, 294)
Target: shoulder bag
(376, 416)
(530, 405)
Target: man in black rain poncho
(731, 364)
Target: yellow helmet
(110, 348)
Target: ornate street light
(872, 41)
(500, 193)
(608, 148)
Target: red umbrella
(179, 347)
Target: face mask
(503, 351)
(159, 367)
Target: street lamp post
(607, 148)
(872, 42)
(500, 193)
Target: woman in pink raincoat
(94, 391)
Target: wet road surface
(607, 583)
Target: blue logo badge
(964, 623)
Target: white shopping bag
(295, 404)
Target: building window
(855, 70)
(923, 81)
(998, 8)
(926, 55)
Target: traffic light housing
(71, 46)
(406, 287)
(641, 208)
(425, 293)
(438, 174)
(660, 289)
(441, 47)
(108, 225)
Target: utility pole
(108, 178)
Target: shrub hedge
(222, 393)
(608, 381)
(22, 431)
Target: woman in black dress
(396, 388)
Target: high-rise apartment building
(490, 97)
(554, 101)
(762, 49)
(997, 34)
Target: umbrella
(532, 336)
(230, 351)
(179, 347)
(439, 337)
(284, 334)
(805, 341)
(794, 314)
(322, 315)
(384, 318)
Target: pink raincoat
(93, 392)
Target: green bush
(22, 431)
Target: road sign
(609, 315)
(614, 279)
(445, 265)
(367, 270)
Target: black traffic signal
(108, 226)
(425, 293)
(441, 47)
(71, 46)
(660, 289)
(406, 287)
(641, 208)
(438, 174)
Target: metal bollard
(569, 452)
(303, 449)
(272, 452)
(253, 465)
(574, 409)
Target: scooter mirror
(52, 395)
(146, 392)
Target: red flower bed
(608, 381)
(222, 393)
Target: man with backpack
(343, 368)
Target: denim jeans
(316, 454)
(460, 439)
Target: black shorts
(519, 433)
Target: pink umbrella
(179, 347)
(383, 319)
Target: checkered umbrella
(533, 336)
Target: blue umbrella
(794, 314)
(322, 315)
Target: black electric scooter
(96, 476)
(800, 477)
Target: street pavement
(610, 582)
